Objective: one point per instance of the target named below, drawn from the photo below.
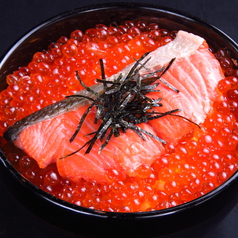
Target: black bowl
(207, 209)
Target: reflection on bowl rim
(83, 210)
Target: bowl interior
(84, 18)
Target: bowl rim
(88, 211)
(102, 6)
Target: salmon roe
(201, 161)
(50, 76)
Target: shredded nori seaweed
(123, 104)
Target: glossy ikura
(183, 176)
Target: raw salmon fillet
(48, 141)
(196, 77)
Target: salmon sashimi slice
(196, 77)
(124, 154)
(49, 141)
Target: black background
(19, 16)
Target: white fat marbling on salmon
(183, 45)
(196, 77)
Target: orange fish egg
(195, 160)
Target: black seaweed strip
(81, 121)
(107, 139)
(163, 72)
(186, 119)
(103, 73)
(85, 86)
(80, 96)
(133, 68)
(124, 104)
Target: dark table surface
(18, 17)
